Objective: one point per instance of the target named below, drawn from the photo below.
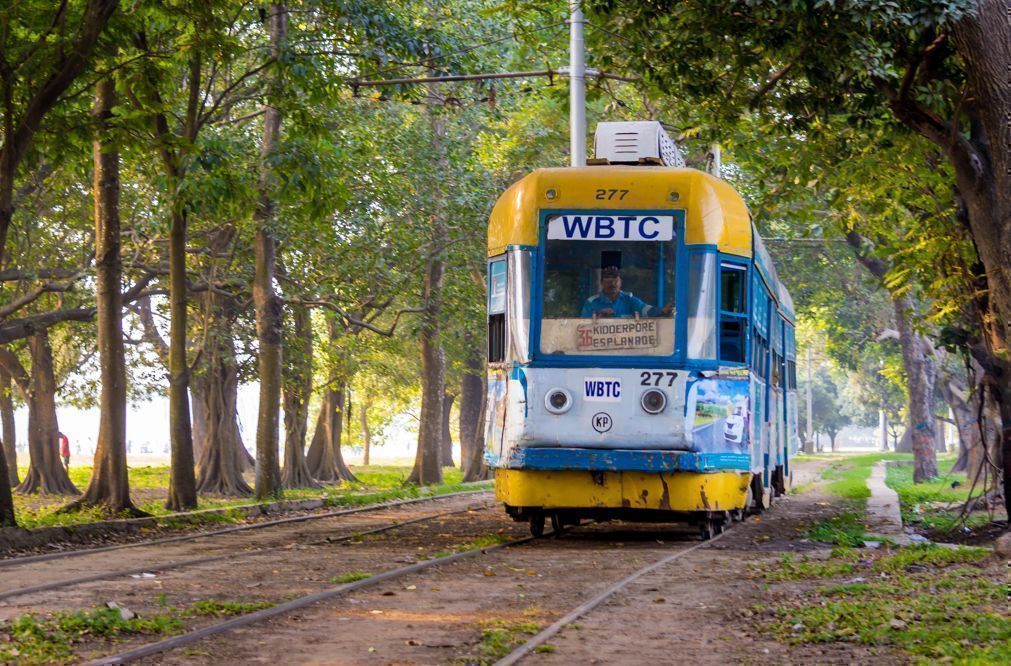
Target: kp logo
(601, 422)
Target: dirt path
(700, 608)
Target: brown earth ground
(705, 607)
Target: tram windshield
(608, 286)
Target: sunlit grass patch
(846, 529)
(224, 607)
(384, 483)
(35, 639)
(500, 637)
(933, 603)
(350, 577)
(848, 476)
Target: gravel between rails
(15, 561)
(542, 637)
(295, 604)
(166, 566)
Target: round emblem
(601, 421)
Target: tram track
(171, 565)
(192, 637)
(81, 552)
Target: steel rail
(67, 582)
(295, 604)
(14, 561)
(584, 608)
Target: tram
(641, 349)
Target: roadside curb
(883, 515)
(12, 538)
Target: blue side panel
(613, 460)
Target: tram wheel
(537, 524)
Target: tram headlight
(558, 401)
(653, 401)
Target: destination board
(617, 334)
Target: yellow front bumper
(667, 491)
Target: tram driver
(613, 302)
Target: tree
(268, 305)
(933, 66)
(8, 432)
(828, 411)
(109, 486)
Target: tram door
(777, 431)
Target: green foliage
(849, 476)
(846, 529)
(225, 608)
(500, 637)
(49, 640)
(923, 600)
(350, 577)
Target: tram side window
(496, 310)
(777, 368)
(791, 375)
(733, 313)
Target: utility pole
(577, 86)
(809, 439)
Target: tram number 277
(654, 378)
(611, 194)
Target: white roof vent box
(638, 142)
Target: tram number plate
(647, 378)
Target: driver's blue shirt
(625, 305)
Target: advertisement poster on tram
(718, 415)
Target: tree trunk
(325, 460)
(198, 413)
(46, 472)
(472, 387)
(964, 410)
(9, 431)
(446, 442)
(7, 453)
(427, 468)
(297, 391)
(221, 462)
(921, 372)
(182, 490)
(265, 299)
(364, 405)
(110, 485)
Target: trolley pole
(809, 442)
(577, 86)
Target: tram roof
(715, 214)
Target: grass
(848, 476)
(846, 529)
(35, 639)
(378, 483)
(224, 608)
(933, 603)
(476, 544)
(350, 577)
(933, 504)
(50, 640)
(500, 637)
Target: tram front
(603, 367)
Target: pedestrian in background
(64, 450)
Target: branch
(12, 365)
(358, 322)
(758, 94)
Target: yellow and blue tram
(670, 397)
